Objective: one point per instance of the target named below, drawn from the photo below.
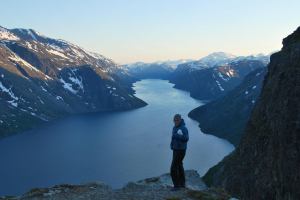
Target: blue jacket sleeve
(184, 137)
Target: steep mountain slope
(209, 83)
(232, 111)
(266, 163)
(43, 78)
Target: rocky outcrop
(155, 188)
(232, 111)
(266, 163)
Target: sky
(155, 30)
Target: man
(180, 137)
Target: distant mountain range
(211, 60)
(211, 82)
(221, 58)
(207, 78)
(150, 70)
(42, 79)
(170, 63)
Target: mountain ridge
(42, 79)
(209, 83)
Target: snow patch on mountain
(7, 35)
(29, 46)
(76, 80)
(43, 89)
(217, 58)
(220, 86)
(59, 98)
(221, 76)
(19, 60)
(11, 94)
(230, 73)
(68, 86)
(78, 53)
(57, 53)
(31, 34)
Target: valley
(113, 122)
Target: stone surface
(155, 188)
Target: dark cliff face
(232, 111)
(266, 163)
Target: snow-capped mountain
(43, 78)
(221, 58)
(168, 63)
(159, 69)
(216, 58)
(208, 83)
(143, 70)
(174, 63)
(261, 57)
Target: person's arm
(185, 135)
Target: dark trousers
(177, 171)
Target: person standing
(180, 137)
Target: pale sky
(138, 30)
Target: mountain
(266, 163)
(143, 70)
(261, 57)
(209, 83)
(42, 79)
(174, 63)
(154, 70)
(211, 60)
(154, 188)
(231, 112)
(217, 58)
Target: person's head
(177, 119)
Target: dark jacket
(179, 141)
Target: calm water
(114, 147)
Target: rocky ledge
(155, 188)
